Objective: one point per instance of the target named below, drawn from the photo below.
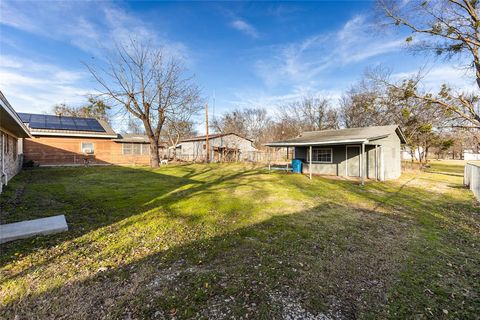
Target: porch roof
(340, 136)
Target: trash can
(297, 166)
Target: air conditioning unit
(88, 151)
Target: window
(320, 155)
(136, 148)
(87, 147)
(127, 148)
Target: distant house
(471, 155)
(370, 152)
(12, 130)
(60, 140)
(222, 147)
(407, 153)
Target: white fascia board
(7, 107)
(296, 144)
(84, 135)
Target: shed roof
(52, 125)
(212, 136)
(342, 136)
(136, 138)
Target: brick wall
(68, 151)
(12, 160)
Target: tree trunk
(154, 155)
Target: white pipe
(363, 163)
(310, 163)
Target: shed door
(353, 161)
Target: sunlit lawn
(234, 241)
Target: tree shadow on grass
(337, 259)
(91, 198)
(331, 260)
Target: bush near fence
(471, 178)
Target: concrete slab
(29, 228)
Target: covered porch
(361, 159)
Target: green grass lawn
(234, 241)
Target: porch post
(310, 163)
(269, 160)
(376, 162)
(362, 163)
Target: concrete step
(30, 228)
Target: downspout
(4, 174)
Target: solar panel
(81, 124)
(25, 117)
(53, 122)
(94, 125)
(68, 123)
(38, 121)
(43, 121)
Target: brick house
(70, 141)
(12, 130)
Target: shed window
(320, 155)
(87, 147)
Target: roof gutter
(294, 144)
(86, 135)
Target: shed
(367, 152)
(223, 147)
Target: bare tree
(310, 114)
(177, 129)
(377, 100)
(153, 88)
(450, 28)
(134, 125)
(95, 108)
(252, 123)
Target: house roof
(10, 120)
(135, 138)
(63, 126)
(341, 136)
(212, 136)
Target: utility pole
(207, 145)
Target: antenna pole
(207, 145)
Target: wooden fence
(249, 156)
(471, 178)
(411, 166)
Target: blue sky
(246, 54)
